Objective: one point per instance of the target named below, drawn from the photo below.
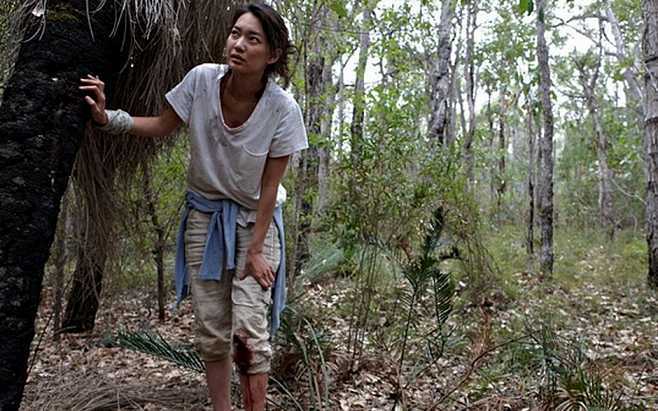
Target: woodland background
(470, 228)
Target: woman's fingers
(89, 84)
(94, 80)
(262, 280)
(265, 279)
(95, 90)
(95, 97)
(260, 270)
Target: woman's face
(247, 49)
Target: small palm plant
(312, 358)
(424, 275)
(570, 381)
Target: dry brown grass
(91, 391)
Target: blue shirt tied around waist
(220, 246)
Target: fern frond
(152, 343)
(444, 290)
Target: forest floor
(587, 337)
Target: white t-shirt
(228, 163)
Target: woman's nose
(240, 44)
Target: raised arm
(157, 126)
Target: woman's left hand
(257, 267)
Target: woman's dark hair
(277, 36)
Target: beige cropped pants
(231, 315)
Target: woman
(243, 128)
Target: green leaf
(339, 8)
(526, 6)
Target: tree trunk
(530, 222)
(606, 209)
(440, 81)
(42, 122)
(308, 171)
(454, 96)
(633, 90)
(650, 54)
(86, 286)
(469, 75)
(159, 242)
(545, 181)
(95, 238)
(501, 183)
(358, 103)
(325, 131)
(491, 139)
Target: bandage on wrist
(118, 122)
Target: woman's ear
(274, 56)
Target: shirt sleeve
(181, 97)
(290, 134)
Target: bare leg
(254, 391)
(218, 374)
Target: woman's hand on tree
(257, 267)
(96, 88)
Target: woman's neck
(245, 87)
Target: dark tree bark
(545, 178)
(650, 54)
(42, 122)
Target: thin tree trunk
(650, 54)
(454, 96)
(606, 209)
(440, 80)
(325, 130)
(358, 103)
(588, 83)
(501, 183)
(84, 296)
(308, 170)
(469, 75)
(340, 95)
(530, 222)
(633, 89)
(462, 111)
(159, 243)
(491, 139)
(41, 126)
(545, 146)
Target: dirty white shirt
(228, 163)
